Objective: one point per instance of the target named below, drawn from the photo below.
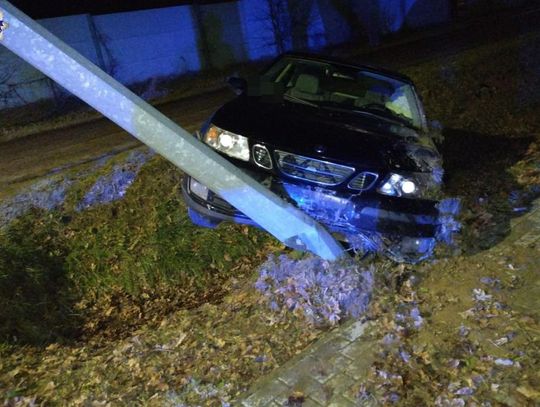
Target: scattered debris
(114, 185)
(321, 291)
(504, 362)
(480, 295)
(47, 194)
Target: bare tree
(8, 89)
(202, 34)
(289, 21)
(106, 58)
(278, 17)
(300, 13)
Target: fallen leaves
(296, 399)
(203, 356)
(490, 359)
(529, 393)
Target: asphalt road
(41, 154)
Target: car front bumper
(344, 213)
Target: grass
(67, 266)
(452, 359)
(192, 357)
(486, 101)
(35, 298)
(490, 111)
(495, 81)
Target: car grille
(311, 169)
(363, 181)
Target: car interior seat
(307, 87)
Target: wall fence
(168, 42)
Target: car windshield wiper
(299, 100)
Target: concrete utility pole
(44, 51)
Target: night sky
(42, 9)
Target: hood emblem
(320, 149)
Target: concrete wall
(137, 46)
(427, 12)
(26, 84)
(380, 17)
(221, 40)
(143, 44)
(492, 3)
(334, 17)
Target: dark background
(43, 9)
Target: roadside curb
(324, 374)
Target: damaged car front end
(347, 144)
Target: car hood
(362, 140)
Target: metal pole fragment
(54, 58)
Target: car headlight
(229, 143)
(414, 185)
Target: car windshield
(342, 87)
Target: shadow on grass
(477, 171)
(36, 300)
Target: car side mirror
(239, 85)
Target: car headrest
(307, 83)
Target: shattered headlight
(229, 143)
(414, 185)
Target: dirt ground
(45, 153)
(475, 340)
